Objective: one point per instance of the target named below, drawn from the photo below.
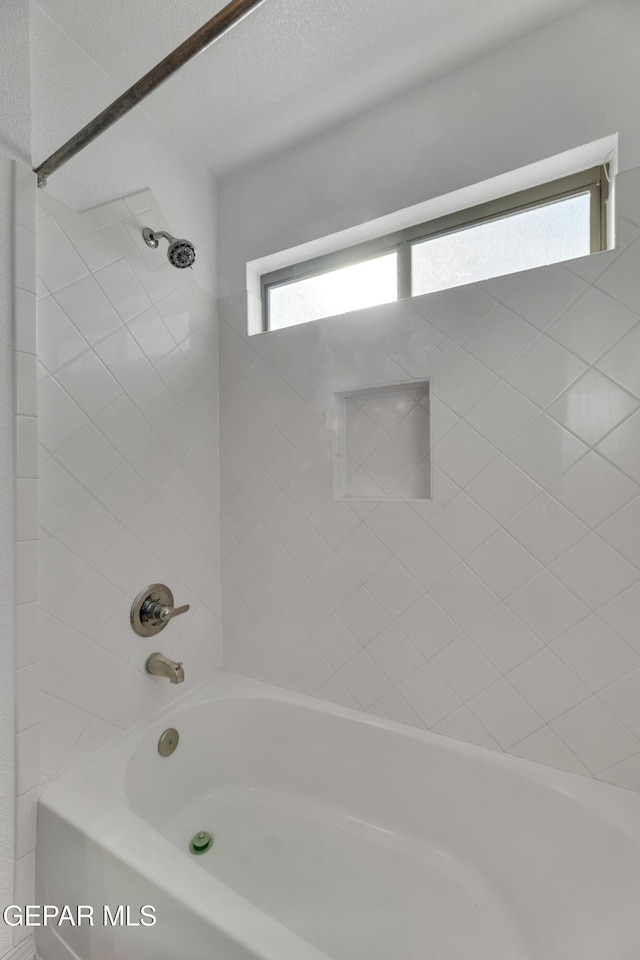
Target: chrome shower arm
(151, 237)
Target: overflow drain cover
(168, 742)
(201, 842)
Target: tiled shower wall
(503, 611)
(27, 714)
(128, 474)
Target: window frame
(594, 180)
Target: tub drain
(201, 843)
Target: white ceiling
(291, 68)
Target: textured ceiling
(291, 68)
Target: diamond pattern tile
(527, 531)
(545, 450)
(581, 488)
(592, 407)
(560, 368)
(111, 491)
(364, 603)
(546, 528)
(594, 571)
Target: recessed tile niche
(381, 443)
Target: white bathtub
(337, 835)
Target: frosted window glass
(548, 234)
(338, 291)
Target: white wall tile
(504, 638)
(592, 407)
(87, 306)
(546, 528)
(25, 384)
(502, 414)
(332, 639)
(547, 685)
(593, 489)
(501, 339)
(59, 418)
(542, 295)
(394, 588)
(122, 288)
(122, 357)
(594, 571)
(463, 453)
(620, 279)
(592, 324)
(595, 654)
(428, 626)
(109, 485)
(427, 558)
(502, 489)
(504, 713)
(463, 596)
(528, 373)
(429, 695)
(123, 425)
(547, 607)
(363, 615)
(394, 707)
(58, 261)
(334, 580)
(26, 439)
(24, 322)
(621, 447)
(363, 677)
(465, 668)
(545, 450)
(395, 654)
(26, 509)
(89, 383)
(462, 382)
(58, 340)
(88, 456)
(363, 552)
(560, 368)
(544, 746)
(27, 760)
(462, 725)
(503, 564)
(463, 525)
(595, 736)
(89, 531)
(28, 703)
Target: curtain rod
(196, 43)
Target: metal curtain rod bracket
(193, 45)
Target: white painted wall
(68, 90)
(14, 143)
(7, 720)
(561, 86)
(15, 105)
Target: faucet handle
(164, 614)
(153, 609)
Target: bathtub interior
(367, 839)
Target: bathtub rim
(111, 759)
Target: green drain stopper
(201, 842)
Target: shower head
(181, 253)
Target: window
(546, 224)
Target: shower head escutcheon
(181, 253)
